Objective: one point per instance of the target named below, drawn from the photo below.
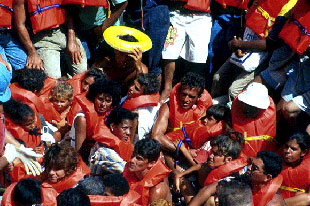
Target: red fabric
(266, 193)
(296, 177)
(240, 4)
(76, 83)
(226, 170)
(141, 101)
(75, 108)
(104, 136)
(129, 199)
(49, 84)
(48, 195)
(72, 179)
(198, 5)
(88, 2)
(177, 114)
(156, 175)
(257, 22)
(292, 34)
(264, 124)
(19, 173)
(6, 14)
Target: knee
(290, 109)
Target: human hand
(234, 44)
(34, 61)
(74, 52)
(193, 152)
(136, 55)
(239, 53)
(177, 182)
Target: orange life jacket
(198, 5)
(179, 116)
(240, 4)
(296, 32)
(19, 173)
(266, 193)
(76, 83)
(225, 170)
(72, 179)
(49, 84)
(259, 132)
(6, 12)
(296, 179)
(156, 175)
(141, 101)
(83, 3)
(47, 14)
(47, 192)
(129, 199)
(262, 15)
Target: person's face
(86, 82)
(249, 111)
(29, 123)
(61, 104)
(209, 121)
(292, 152)
(135, 89)
(56, 175)
(138, 163)
(120, 57)
(215, 159)
(102, 103)
(256, 171)
(188, 96)
(124, 129)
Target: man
(264, 171)
(147, 174)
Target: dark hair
(31, 79)
(272, 162)
(149, 82)
(302, 139)
(193, 80)
(107, 87)
(91, 186)
(148, 148)
(227, 145)
(219, 112)
(27, 192)
(117, 183)
(95, 73)
(73, 197)
(128, 37)
(118, 115)
(17, 111)
(61, 156)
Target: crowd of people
(215, 113)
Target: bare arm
(203, 195)
(255, 45)
(277, 200)
(80, 132)
(298, 200)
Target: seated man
(264, 171)
(143, 97)
(146, 173)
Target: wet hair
(148, 148)
(149, 82)
(193, 80)
(107, 87)
(219, 112)
(27, 192)
(302, 139)
(128, 37)
(118, 115)
(117, 183)
(17, 111)
(91, 186)
(61, 156)
(73, 197)
(272, 163)
(95, 73)
(31, 79)
(62, 90)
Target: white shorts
(188, 37)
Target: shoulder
(159, 191)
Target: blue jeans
(12, 51)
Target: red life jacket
(260, 132)
(296, 32)
(129, 199)
(72, 179)
(240, 4)
(266, 193)
(83, 3)
(75, 108)
(296, 179)
(19, 173)
(6, 12)
(262, 15)
(48, 194)
(156, 175)
(179, 116)
(47, 14)
(49, 84)
(104, 136)
(140, 101)
(198, 5)
(225, 170)
(76, 82)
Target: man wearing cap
(254, 115)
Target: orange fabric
(6, 12)
(198, 5)
(156, 175)
(296, 177)
(240, 4)
(264, 124)
(292, 34)
(46, 14)
(49, 84)
(257, 22)
(75, 108)
(76, 83)
(178, 115)
(48, 195)
(141, 101)
(266, 193)
(226, 170)
(129, 199)
(88, 2)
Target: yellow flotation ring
(112, 37)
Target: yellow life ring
(112, 37)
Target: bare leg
(169, 68)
